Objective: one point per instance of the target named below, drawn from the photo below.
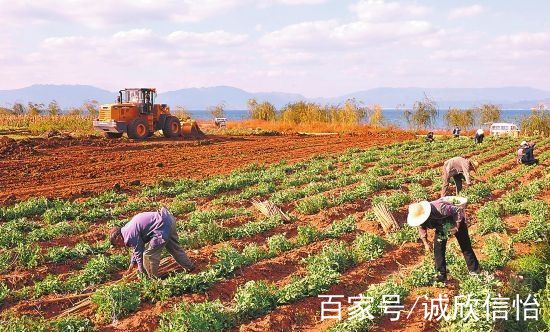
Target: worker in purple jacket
(148, 233)
(436, 215)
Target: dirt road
(77, 167)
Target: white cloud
(364, 32)
(331, 34)
(266, 3)
(376, 22)
(218, 38)
(99, 14)
(525, 40)
(454, 55)
(301, 35)
(383, 11)
(468, 11)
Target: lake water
(393, 117)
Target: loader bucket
(190, 129)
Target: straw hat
(474, 163)
(523, 143)
(418, 213)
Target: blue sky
(314, 47)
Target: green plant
(28, 208)
(197, 317)
(61, 211)
(422, 275)
(254, 299)
(445, 232)
(49, 285)
(4, 292)
(22, 324)
(403, 235)
(488, 217)
(334, 256)
(278, 244)
(28, 255)
(312, 205)
(96, 271)
(368, 246)
(341, 227)
(154, 290)
(253, 252)
(115, 301)
(307, 234)
(538, 228)
(497, 255)
(534, 270)
(72, 324)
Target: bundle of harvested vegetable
(385, 218)
(269, 209)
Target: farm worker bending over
(447, 220)
(525, 153)
(148, 233)
(478, 138)
(459, 169)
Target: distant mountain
(507, 97)
(234, 98)
(65, 95)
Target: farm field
(256, 273)
(74, 167)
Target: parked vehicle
(502, 128)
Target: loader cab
(144, 98)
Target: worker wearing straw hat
(436, 215)
(458, 168)
(149, 233)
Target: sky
(319, 48)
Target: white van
(501, 128)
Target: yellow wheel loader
(136, 114)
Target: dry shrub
(461, 118)
(37, 124)
(313, 127)
(303, 112)
(537, 123)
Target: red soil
(78, 167)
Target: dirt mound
(12, 149)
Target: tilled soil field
(75, 167)
(265, 274)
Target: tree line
(90, 107)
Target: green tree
(458, 117)
(489, 113)
(261, 111)
(423, 114)
(53, 108)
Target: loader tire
(113, 135)
(137, 129)
(172, 127)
